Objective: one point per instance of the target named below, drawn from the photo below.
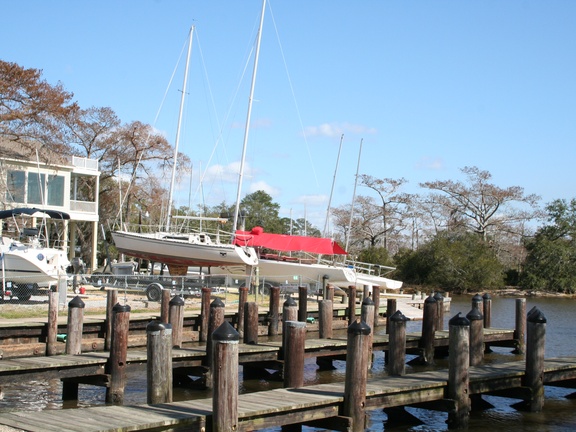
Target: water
(559, 413)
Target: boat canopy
(288, 243)
(33, 212)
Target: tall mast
(325, 234)
(182, 99)
(353, 197)
(247, 126)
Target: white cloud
(337, 129)
(263, 186)
(429, 163)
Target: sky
(427, 86)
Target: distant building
(33, 178)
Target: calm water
(559, 413)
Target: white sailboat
(177, 249)
(27, 262)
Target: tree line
(457, 235)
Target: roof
(288, 243)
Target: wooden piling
(75, 326)
(52, 325)
(535, 342)
(225, 378)
(440, 312)
(478, 302)
(351, 304)
(273, 311)
(429, 321)
(217, 309)
(165, 306)
(116, 365)
(294, 354)
(356, 375)
(289, 313)
(251, 323)
(111, 300)
(476, 336)
(302, 303)
(520, 327)
(176, 320)
(391, 306)
(159, 362)
(325, 314)
(397, 344)
(367, 315)
(376, 300)
(204, 313)
(458, 371)
(487, 310)
(329, 293)
(242, 299)
(365, 291)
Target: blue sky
(430, 87)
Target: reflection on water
(559, 413)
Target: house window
(16, 190)
(56, 190)
(36, 188)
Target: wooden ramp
(284, 406)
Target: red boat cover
(289, 243)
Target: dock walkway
(310, 404)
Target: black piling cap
(76, 302)
(154, 326)
(359, 328)
(477, 298)
(398, 317)
(475, 314)
(458, 320)
(225, 333)
(290, 302)
(486, 296)
(430, 299)
(537, 317)
(438, 296)
(177, 300)
(367, 301)
(217, 303)
(121, 308)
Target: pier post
(356, 375)
(273, 311)
(52, 325)
(325, 280)
(391, 307)
(325, 314)
(458, 371)
(159, 362)
(251, 323)
(302, 303)
(397, 344)
(440, 312)
(367, 315)
(111, 300)
(242, 299)
(176, 320)
(429, 320)
(165, 306)
(478, 303)
(535, 341)
(520, 327)
(75, 326)
(487, 310)
(351, 304)
(365, 291)
(329, 293)
(204, 313)
(294, 353)
(289, 313)
(376, 300)
(225, 391)
(216, 319)
(476, 336)
(116, 365)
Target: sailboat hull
(183, 250)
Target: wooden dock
(316, 405)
